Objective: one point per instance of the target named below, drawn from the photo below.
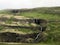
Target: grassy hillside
(52, 32)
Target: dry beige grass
(13, 31)
(9, 16)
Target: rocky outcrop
(40, 23)
(15, 37)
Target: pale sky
(17, 4)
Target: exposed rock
(15, 37)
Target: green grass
(27, 30)
(40, 15)
(54, 43)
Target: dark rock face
(14, 11)
(42, 23)
(39, 21)
(14, 37)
